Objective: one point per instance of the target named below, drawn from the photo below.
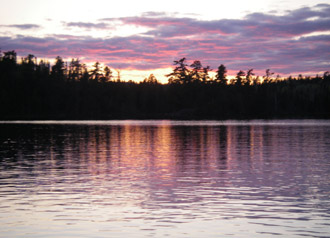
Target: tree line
(32, 89)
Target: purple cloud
(294, 23)
(287, 44)
(23, 26)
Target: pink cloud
(258, 41)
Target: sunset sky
(143, 37)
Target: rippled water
(165, 178)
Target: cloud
(294, 23)
(87, 25)
(294, 42)
(23, 26)
(154, 14)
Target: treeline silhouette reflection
(166, 179)
(164, 152)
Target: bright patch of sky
(53, 15)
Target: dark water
(165, 178)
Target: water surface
(165, 178)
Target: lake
(165, 178)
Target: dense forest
(33, 89)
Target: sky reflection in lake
(165, 178)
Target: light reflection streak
(169, 174)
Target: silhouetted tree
(96, 72)
(180, 74)
(267, 77)
(256, 80)
(239, 80)
(58, 70)
(9, 61)
(118, 76)
(9, 56)
(43, 69)
(326, 76)
(85, 75)
(195, 73)
(221, 75)
(75, 70)
(248, 78)
(150, 80)
(278, 78)
(29, 62)
(107, 75)
(205, 74)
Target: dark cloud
(287, 44)
(23, 26)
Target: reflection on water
(165, 178)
